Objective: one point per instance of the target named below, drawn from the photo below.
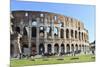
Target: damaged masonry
(39, 33)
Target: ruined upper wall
(47, 17)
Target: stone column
(69, 34)
(37, 36)
(73, 34)
(70, 49)
(65, 47)
(52, 48)
(28, 29)
(45, 45)
(45, 33)
(65, 33)
(78, 35)
(64, 28)
(45, 28)
(52, 28)
(58, 32)
(59, 48)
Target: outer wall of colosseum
(45, 32)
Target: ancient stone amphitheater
(46, 32)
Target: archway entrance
(68, 48)
(33, 31)
(49, 48)
(80, 47)
(72, 48)
(25, 49)
(56, 48)
(76, 47)
(83, 48)
(33, 49)
(41, 49)
(62, 48)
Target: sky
(84, 13)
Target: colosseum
(38, 33)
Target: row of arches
(61, 48)
(76, 34)
(58, 48)
(72, 33)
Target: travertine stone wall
(38, 32)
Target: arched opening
(41, 49)
(72, 48)
(48, 31)
(82, 35)
(41, 31)
(24, 31)
(62, 48)
(68, 48)
(11, 50)
(83, 48)
(33, 49)
(61, 24)
(76, 47)
(55, 32)
(49, 48)
(67, 33)
(62, 33)
(79, 36)
(75, 34)
(80, 47)
(25, 49)
(72, 33)
(17, 29)
(56, 48)
(33, 31)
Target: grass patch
(52, 60)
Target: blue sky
(85, 13)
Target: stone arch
(41, 49)
(41, 31)
(83, 47)
(79, 35)
(33, 31)
(61, 24)
(62, 48)
(62, 33)
(75, 34)
(48, 31)
(82, 36)
(72, 33)
(76, 46)
(80, 47)
(17, 29)
(55, 31)
(67, 33)
(72, 47)
(33, 47)
(49, 48)
(56, 48)
(68, 48)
